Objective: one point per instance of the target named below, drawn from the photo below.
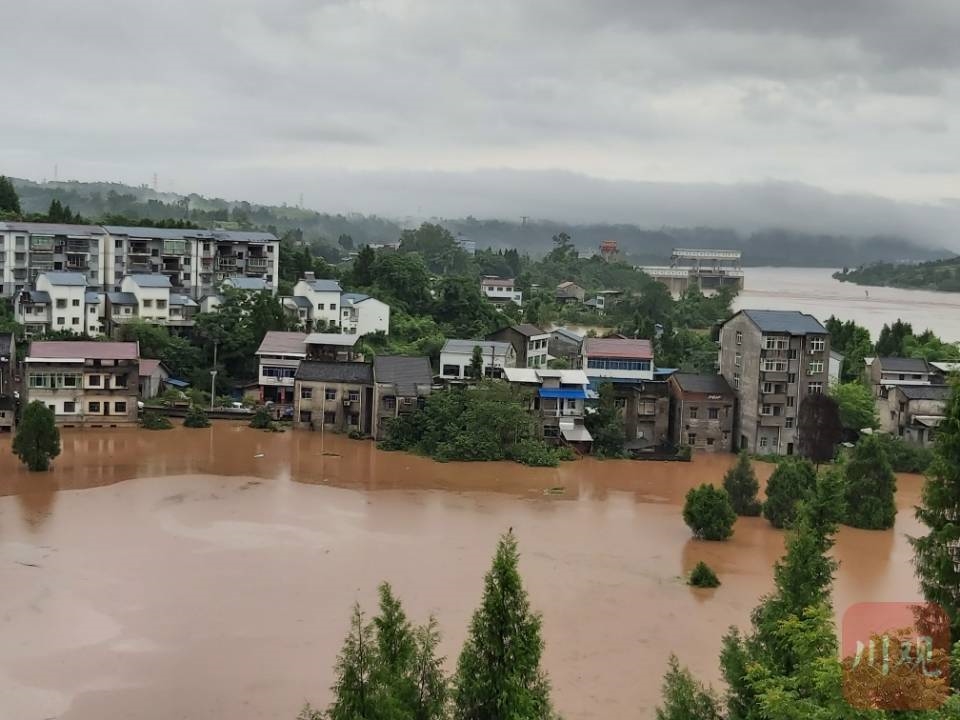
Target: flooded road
(210, 573)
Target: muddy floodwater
(210, 573)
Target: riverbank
(210, 573)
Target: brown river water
(210, 573)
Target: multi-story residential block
(153, 296)
(558, 400)
(362, 314)
(322, 301)
(85, 383)
(58, 302)
(566, 344)
(8, 364)
(530, 343)
(645, 405)
(500, 290)
(334, 396)
(772, 359)
(701, 412)
(617, 359)
(914, 412)
(889, 372)
(402, 384)
(96, 305)
(457, 355)
(29, 249)
(279, 356)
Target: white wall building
(323, 297)
(279, 357)
(362, 314)
(501, 290)
(456, 356)
(618, 359)
(29, 249)
(153, 296)
(58, 303)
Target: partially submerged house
(558, 400)
(402, 384)
(702, 412)
(457, 356)
(334, 396)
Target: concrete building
(402, 384)
(456, 356)
(334, 396)
(279, 356)
(696, 267)
(645, 406)
(772, 359)
(85, 383)
(29, 249)
(889, 372)
(500, 290)
(914, 412)
(58, 302)
(569, 293)
(322, 301)
(362, 314)
(558, 400)
(566, 344)
(153, 376)
(96, 304)
(332, 347)
(701, 411)
(153, 296)
(8, 365)
(246, 284)
(617, 359)
(531, 344)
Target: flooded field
(210, 573)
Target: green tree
(935, 554)
(818, 427)
(893, 339)
(790, 482)
(499, 674)
(37, 440)
(355, 696)
(871, 486)
(461, 311)
(9, 200)
(432, 688)
(703, 576)
(605, 424)
(196, 418)
(392, 674)
(857, 406)
(684, 698)
(854, 343)
(437, 247)
(742, 486)
(476, 363)
(708, 513)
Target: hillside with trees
(943, 275)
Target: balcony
(77, 246)
(257, 264)
(774, 376)
(227, 262)
(773, 398)
(77, 262)
(772, 421)
(41, 265)
(41, 244)
(175, 247)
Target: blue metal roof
(577, 394)
(175, 382)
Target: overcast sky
(433, 107)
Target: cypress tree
(393, 670)
(37, 440)
(741, 485)
(9, 200)
(684, 698)
(871, 486)
(788, 484)
(937, 554)
(498, 674)
(354, 693)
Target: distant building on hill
(500, 290)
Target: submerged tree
(819, 427)
(37, 440)
(871, 486)
(788, 484)
(354, 692)
(741, 485)
(498, 674)
(708, 513)
(685, 698)
(605, 424)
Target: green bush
(566, 453)
(703, 576)
(37, 440)
(741, 485)
(870, 486)
(708, 513)
(155, 421)
(904, 457)
(355, 435)
(261, 420)
(793, 479)
(196, 418)
(685, 453)
(534, 453)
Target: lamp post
(213, 376)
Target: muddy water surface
(210, 573)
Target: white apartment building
(96, 305)
(501, 290)
(153, 296)
(362, 314)
(29, 249)
(457, 356)
(322, 298)
(59, 302)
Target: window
(126, 311)
(355, 419)
(766, 409)
(788, 423)
(306, 393)
(70, 381)
(773, 342)
(21, 241)
(161, 304)
(713, 413)
(815, 388)
(774, 366)
(739, 338)
(69, 407)
(763, 441)
(75, 321)
(333, 306)
(817, 344)
(767, 387)
(329, 418)
(604, 364)
(93, 309)
(693, 412)
(119, 381)
(389, 402)
(319, 306)
(93, 407)
(61, 303)
(709, 442)
(792, 378)
(120, 406)
(147, 303)
(93, 380)
(353, 395)
(118, 244)
(75, 303)
(791, 400)
(647, 407)
(61, 321)
(330, 394)
(815, 368)
(736, 381)
(691, 438)
(726, 437)
(279, 373)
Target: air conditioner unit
(346, 403)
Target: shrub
(904, 457)
(870, 486)
(708, 513)
(741, 485)
(37, 440)
(793, 479)
(155, 421)
(685, 453)
(703, 576)
(534, 453)
(355, 435)
(566, 454)
(261, 420)
(196, 418)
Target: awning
(931, 421)
(577, 433)
(578, 394)
(174, 382)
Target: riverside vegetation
(943, 275)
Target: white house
(94, 314)
(323, 297)
(362, 314)
(618, 359)
(456, 356)
(153, 296)
(279, 357)
(500, 290)
(58, 303)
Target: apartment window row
(605, 364)
(536, 345)
(278, 372)
(818, 344)
(771, 410)
(775, 342)
(53, 380)
(774, 366)
(320, 306)
(815, 367)
(713, 413)
(814, 388)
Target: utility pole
(213, 376)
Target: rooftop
(405, 372)
(904, 365)
(298, 300)
(324, 285)
(150, 233)
(245, 283)
(568, 334)
(150, 281)
(121, 298)
(67, 279)
(50, 228)
(705, 384)
(528, 330)
(331, 339)
(486, 346)
(353, 298)
(276, 342)
(85, 349)
(38, 296)
(340, 372)
(926, 392)
(791, 322)
(243, 236)
(178, 299)
(533, 375)
(148, 366)
(497, 282)
(91, 297)
(618, 348)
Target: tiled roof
(340, 340)
(707, 384)
(66, 279)
(487, 346)
(84, 349)
(792, 322)
(497, 282)
(91, 297)
(38, 296)
(324, 285)
(568, 334)
(903, 365)
(618, 348)
(151, 281)
(404, 372)
(300, 301)
(360, 373)
(528, 330)
(276, 342)
(50, 228)
(185, 300)
(243, 236)
(121, 298)
(353, 298)
(148, 366)
(926, 392)
(158, 233)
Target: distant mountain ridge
(641, 245)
